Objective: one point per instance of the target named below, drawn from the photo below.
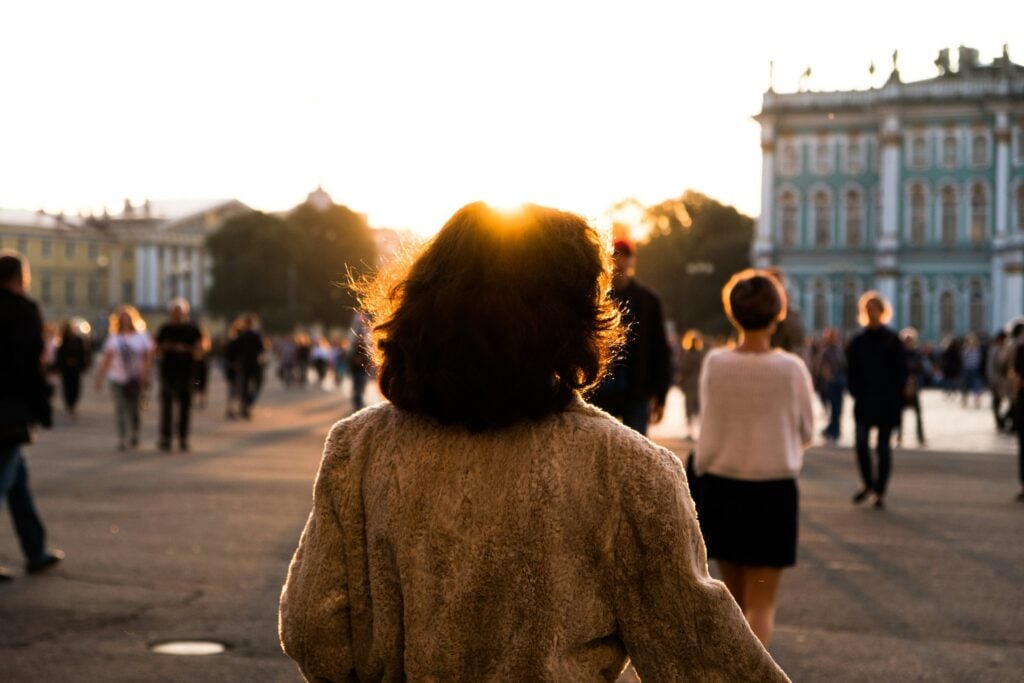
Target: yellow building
(145, 256)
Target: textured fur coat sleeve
(548, 551)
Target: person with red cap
(635, 389)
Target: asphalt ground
(195, 546)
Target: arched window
(948, 209)
(947, 313)
(977, 310)
(820, 306)
(1020, 207)
(949, 149)
(915, 314)
(850, 312)
(918, 212)
(854, 219)
(788, 159)
(919, 151)
(822, 219)
(821, 156)
(854, 155)
(979, 148)
(979, 214)
(787, 223)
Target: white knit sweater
(547, 551)
(757, 415)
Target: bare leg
(733, 576)
(760, 586)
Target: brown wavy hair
(500, 318)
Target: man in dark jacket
(636, 386)
(178, 344)
(24, 400)
(876, 375)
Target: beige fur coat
(548, 551)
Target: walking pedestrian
(72, 361)
(912, 385)
(24, 402)
(127, 358)
(636, 387)
(997, 376)
(758, 418)
(972, 369)
(360, 364)
(485, 523)
(830, 367)
(245, 356)
(1018, 375)
(876, 373)
(177, 345)
(691, 359)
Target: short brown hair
(754, 299)
(499, 319)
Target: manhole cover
(189, 647)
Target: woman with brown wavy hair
(485, 523)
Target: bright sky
(407, 110)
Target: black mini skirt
(751, 523)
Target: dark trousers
(915, 405)
(833, 398)
(14, 487)
(71, 383)
(175, 391)
(873, 480)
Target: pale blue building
(914, 189)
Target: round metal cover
(189, 647)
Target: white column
(153, 276)
(1002, 173)
(1014, 297)
(889, 182)
(762, 256)
(196, 295)
(141, 294)
(166, 293)
(114, 276)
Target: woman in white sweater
(485, 524)
(758, 419)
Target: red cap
(623, 246)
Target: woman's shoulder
(600, 432)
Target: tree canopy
(290, 270)
(694, 245)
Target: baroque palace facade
(914, 189)
(145, 256)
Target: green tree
(255, 258)
(694, 245)
(336, 241)
(293, 270)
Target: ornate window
(789, 159)
(977, 309)
(820, 306)
(822, 219)
(69, 249)
(47, 293)
(918, 213)
(854, 155)
(948, 213)
(821, 156)
(47, 248)
(854, 219)
(69, 291)
(947, 313)
(919, 151)
(979, 213)
(949, 149)
(979, 148)
(788, 219)
(915, 312)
